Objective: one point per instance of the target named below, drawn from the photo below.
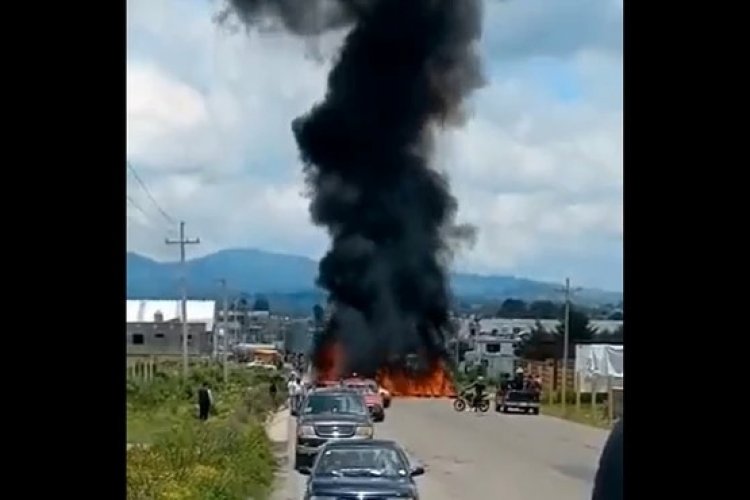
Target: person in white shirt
(295, 390)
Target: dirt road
(480, 456)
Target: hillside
(288, 281)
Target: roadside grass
(143, 426)
(583, 415)
(228, 457)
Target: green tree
(539, 345)
(261, 304)
(512, 309)
(615, 336)
(544, 309)
(579, 329)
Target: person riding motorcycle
(478, 385)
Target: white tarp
(600, 365)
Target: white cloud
(209, 130)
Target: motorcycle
(462, 401)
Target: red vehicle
(373, 399)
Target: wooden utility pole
(183, 286)
(225, 328)
(566, 343)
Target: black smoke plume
(404, 70)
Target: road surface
(479, 456)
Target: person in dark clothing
(608, 482)
(272, 391)
(478, 386)
(205, 400)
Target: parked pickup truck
(326, 415)
(525, 401)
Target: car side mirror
(305, 471)
(417, 471)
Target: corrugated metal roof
(202, 311)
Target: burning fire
(329, 366)
(436, 383)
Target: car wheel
(299, 461)
(504, 409)
(498, 408)
(535, 411)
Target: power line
(151, 223)
(168, 217)
(137, 206)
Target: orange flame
(435, 383)
(329, 366)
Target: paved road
(481, 456)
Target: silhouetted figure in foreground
(205, 400)
(608, 482)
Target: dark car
(329, 415)
(374, 469)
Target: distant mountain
(289, 281)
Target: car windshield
(334, 403)
(361, 462)
(359, 387)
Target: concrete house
(154, 327)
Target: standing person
(272, 392)
(205, 401)
(294, 390)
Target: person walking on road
(205, 401)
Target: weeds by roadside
(228, 457)
(583, 415)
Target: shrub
(228, 457)
(221, 461)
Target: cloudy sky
(538, 168)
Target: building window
(493, 348)
(159, 335)
(516, 329)
(137, 339)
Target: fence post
(578, 391)
(551, 391)
(610, 401)
(594, 387)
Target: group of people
(206, 398)
(297, 390)
(520, 382)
